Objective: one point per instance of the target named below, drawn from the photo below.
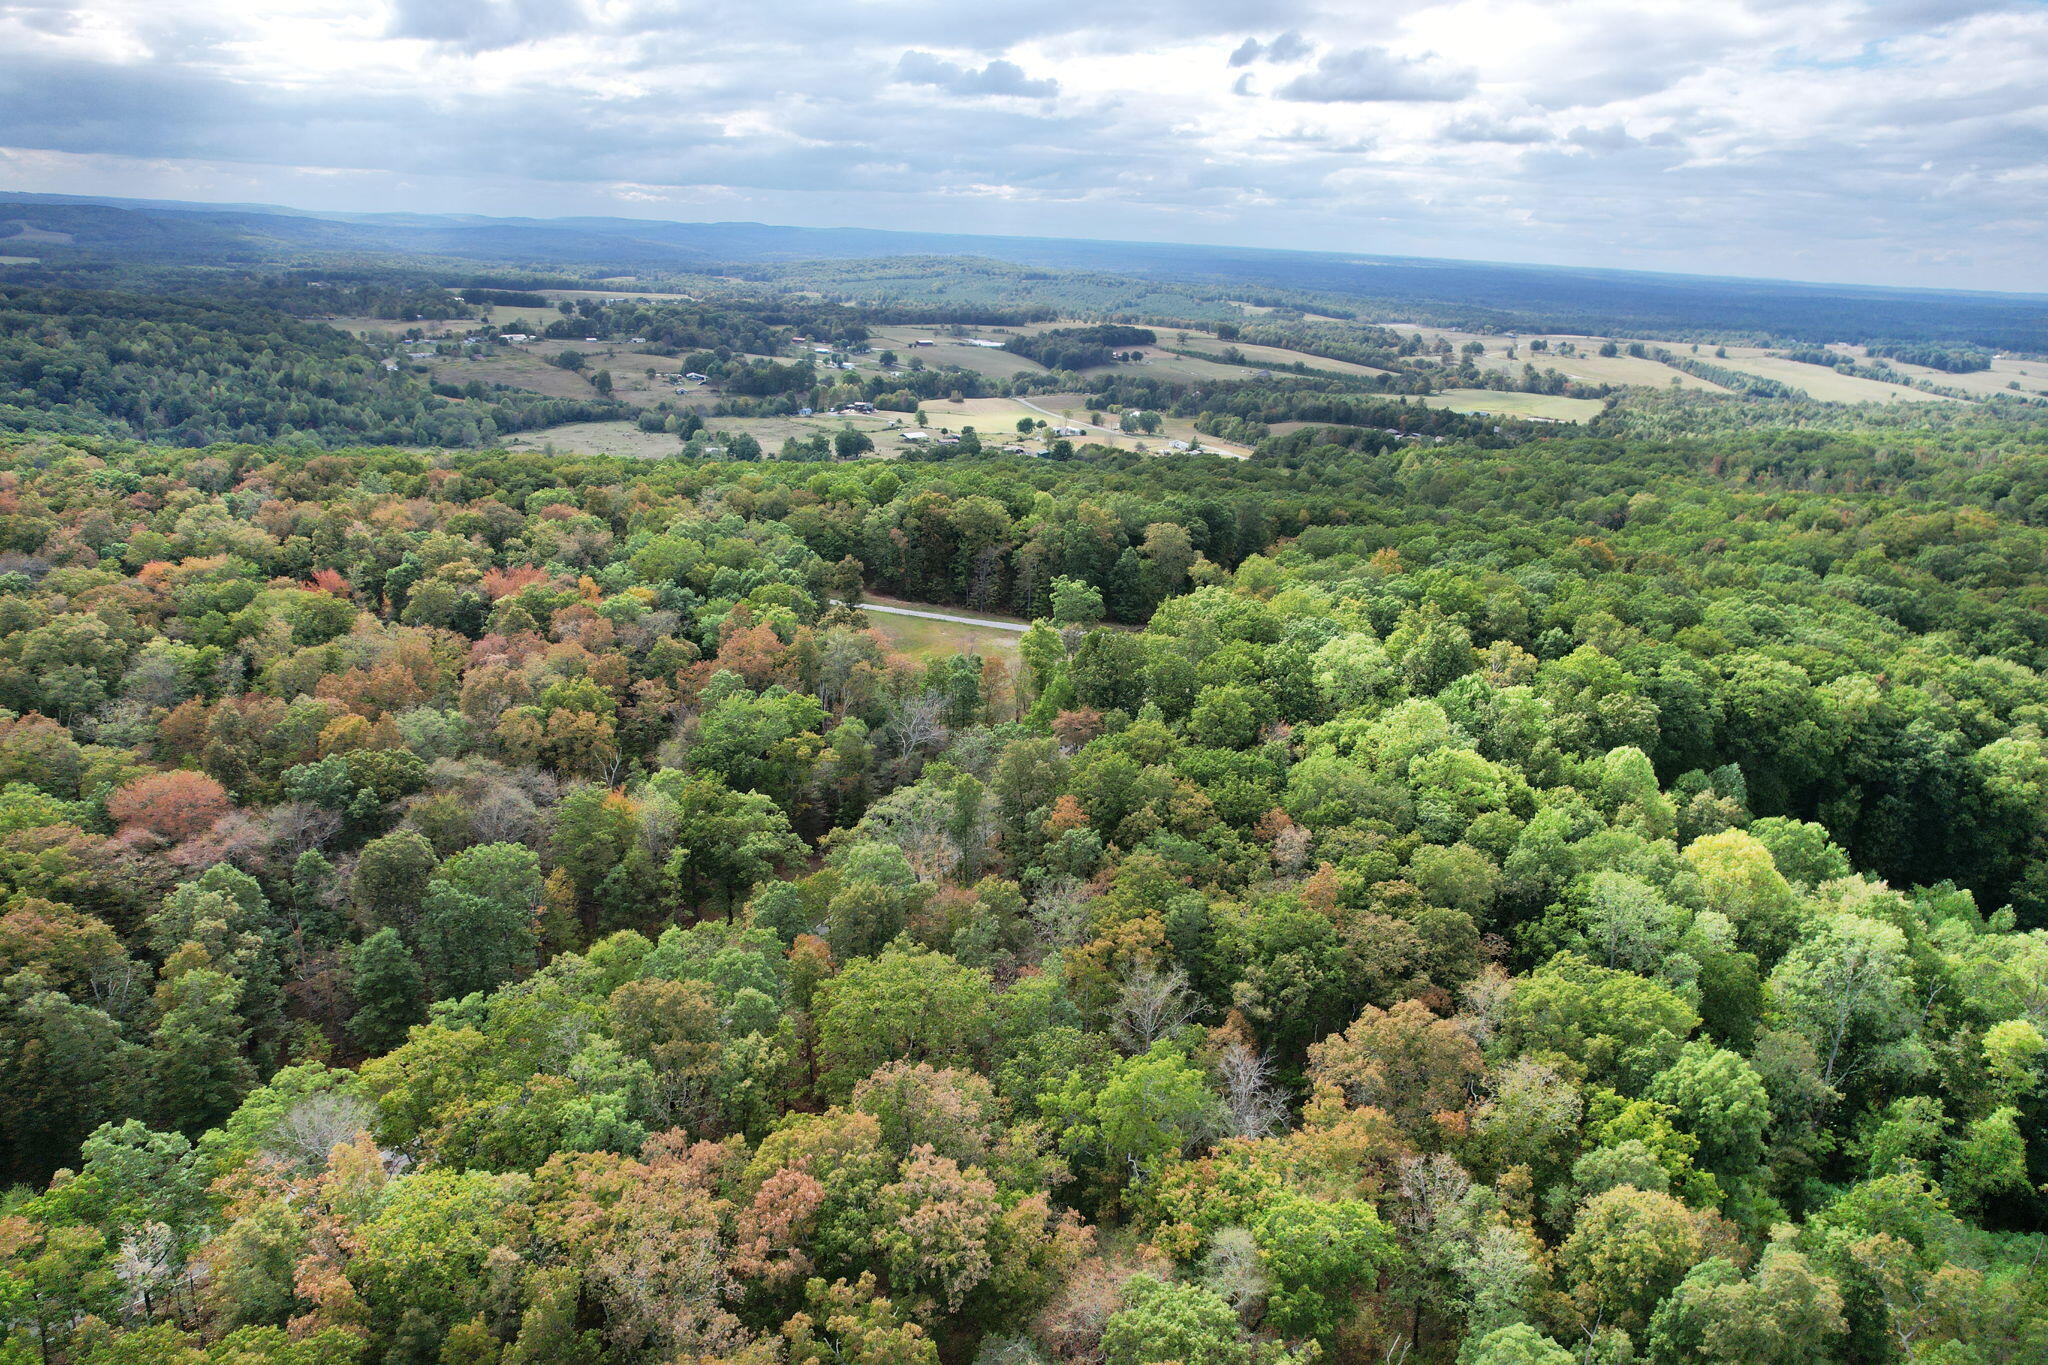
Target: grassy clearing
(598, 438)
(528, 367)
(1280, 357)
(20, 260)
(625, 439)
(924, 639)
(948, 351)
(1820, 383)
(995, 421)
(1587, 366)
(2005, 371)
(1499, 403)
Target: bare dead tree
(1151, 1005)
(311, 1129)
(1251, 1102)
(917, 723)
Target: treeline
(1953, 359)
(1079, 348)
(196, 372)
(504, 298)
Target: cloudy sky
(1891, 141)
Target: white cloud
(997, 78)
(1372, 74)
(1897, 140)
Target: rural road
(940, 616)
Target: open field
(1602, 369)
(527, 367)
(380, 329)
(948, 352)
(597, 438)
(1499, 403)
(923, 638)
(2031, 375)
(613, 294)
(20, 260)
(1279, 358)
(519, 369)
(995, 421)
(627, 440)
(1587, 365)
(1163, 364)
(1819, 383)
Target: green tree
(198, 1072)
(903, 1005)
(1319, 1257)
(389, 990)
(479, 917)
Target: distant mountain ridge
(1498, 294)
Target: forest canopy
(1581, 900)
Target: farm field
(613, 294)
(627, 440)
(1587, 365)
(2031, 375)
(527, 367)
(1823, 385)
(623, 439)
(1279, 357)
(995, 421)
(1500, 403)
(1605, 369)
(948, 352)
(1164, 364)
(503, 318)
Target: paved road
(942, 616)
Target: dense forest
(1520, 898)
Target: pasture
(2005, 371)
(1818, 382)
(1501, 403)
(625, 439)
(995, 421)
(1586, 365)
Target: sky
(1879, 141)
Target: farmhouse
(1070, 431)
(914, 436)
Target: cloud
(484, 25)
(1866, 138)
(997, 78)
(1480, 127)
(1610, 138)
(1369, 75)
(1288, 47)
